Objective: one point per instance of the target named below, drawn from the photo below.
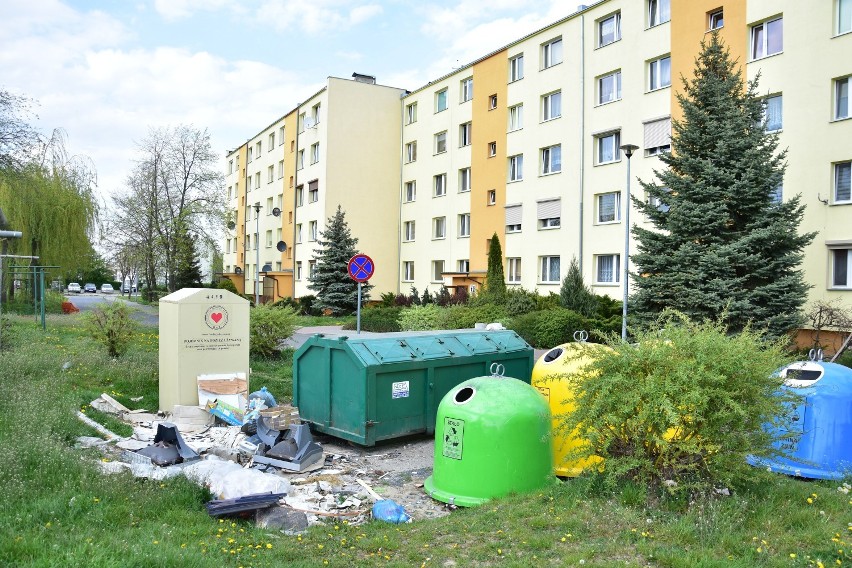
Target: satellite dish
(309, 122)
(276, 212)
(281, 246)
(238, 270)
(266, 268)
(232, 225)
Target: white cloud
(315, 16)
(173, 10)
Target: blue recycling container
(821, 423)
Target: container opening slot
(463, 395)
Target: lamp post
(628, 150)
(257, 254)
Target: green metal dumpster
(367, 389)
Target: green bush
(546, 329)
(227, 284)
(286, 302)
(846, 358)
(53, 302)
(306, 306)
(549, 302)
(520, 301)
(682, 408)
(112, 326)
(421, 318)
(379, 319)
(465, 317)
(268, 327)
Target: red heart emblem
(216, 317)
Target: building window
(516, 68)
(514, 214)
(607, 150)
(277, 266)
(777, 195)
(312, 231)
(410, 191)
(492, 102)
(280, 169)
(841, 97)
(441, 142)
(437, 270)
(315, 114)
(609, 88)
(411, 152)
(312, 269)
(844, 16)
(841, 268)
(609, 29)
(298, 270)
(492, 197)
(549, 269)
(301, 123)
(270, 174)
(513, 270)
(269, 206)
(269, 238)
(549, 213)
(516, 117)
(300, 160)
(659, 12)
(464, 180)
(842, 175)
(230, 166)
(464, 225)
(439, 227)
(551, 106)
(249, 154)
(660, 73)
(230, 192)
(441, 100)
(492, 149)
(551, 53)
(465, 131)
(313, 191)
(715, 20)
(300, 198)
(440, 185)
(271, 141)
(408, 271)
(281, 136)
(259, 146)
(315, 152)
(551, 159)
(298, 232)
(411, 113)
(466, 89)
(658, 135)
(767, 38)
(607, 271)
(609, 207)
(772, 113)
(549, 223)
(516, 167)
(408, 231)
(257, 180)
(464, 265)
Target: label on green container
(453, 438)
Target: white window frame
(300, 160)
(280, 169)
(552, 53)
(313, 192)
(410, 191)
(835, 256)
(408, 271)
(409, 231)
(281, 136)
(439, 185)
(300, 196)
(759, 48)
(846, 196)
(600, 140)
(841, 97)
(411, 152)
(466, 90)
(439, 228)
(313, 231)
(464, 180)
(441, 102)
(315, 113)
(549, 223)
(312, 269)
(315, 152)
(516, 68)
(465, 132)
(411, 113)
(513, 270)
(551, 159)
(551, 106)
(516, 117)
(516, 167)
(546, 267)
(270, 174)
(843, 16)
(616, 33)
(269, 238)
(464, 225)
(298, 270)
(766, 102)
(440, 142)
(463, 265)
(657, 78)
(271, 141)
(615, 77)
(716, 19)
(616, 218)
(615, 269)
(657, 11)
(492, 149)
(492, 197)
(437, 270)
(492, 102)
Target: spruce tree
(336, 292)
(575, 295)
(187, 263)
(722, 242)
(495, 281)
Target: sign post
(360, 269)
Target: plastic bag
(265, 396)
(390, 511)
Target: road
(146, 315)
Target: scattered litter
(228, 480)
(390, 511)
(265, 396)
(168, 447)
(224, 411)
(191, 418)
(67, 365)
(90, 442)
(242, 505)
(294, 449)
(136, 398)
(230, 388)
(110, 436)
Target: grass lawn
(58, 510)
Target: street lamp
(628, 150)
(257, 254)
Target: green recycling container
(492, 438)
(368, 389)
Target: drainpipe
(295, 185)
(582, 130)
(401, 189)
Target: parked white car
(107, 289)
(74, 287)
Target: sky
(106, 71)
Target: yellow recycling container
(564, 359)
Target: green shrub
(546, 329)
(520, 301)
(465, 317)
(268, 327)
(421, 318)
(379, 319)
(549, 302)
(306, 306)
(846, 358)
(387, 299)
(112, 326)
(227, 284)
(53, 302)
(286, 302)
(682, 408)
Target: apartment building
(525, 142)
(338, 147)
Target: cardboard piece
(230, 388)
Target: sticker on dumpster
(399, 390)
(545, 392)
(453, 438)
